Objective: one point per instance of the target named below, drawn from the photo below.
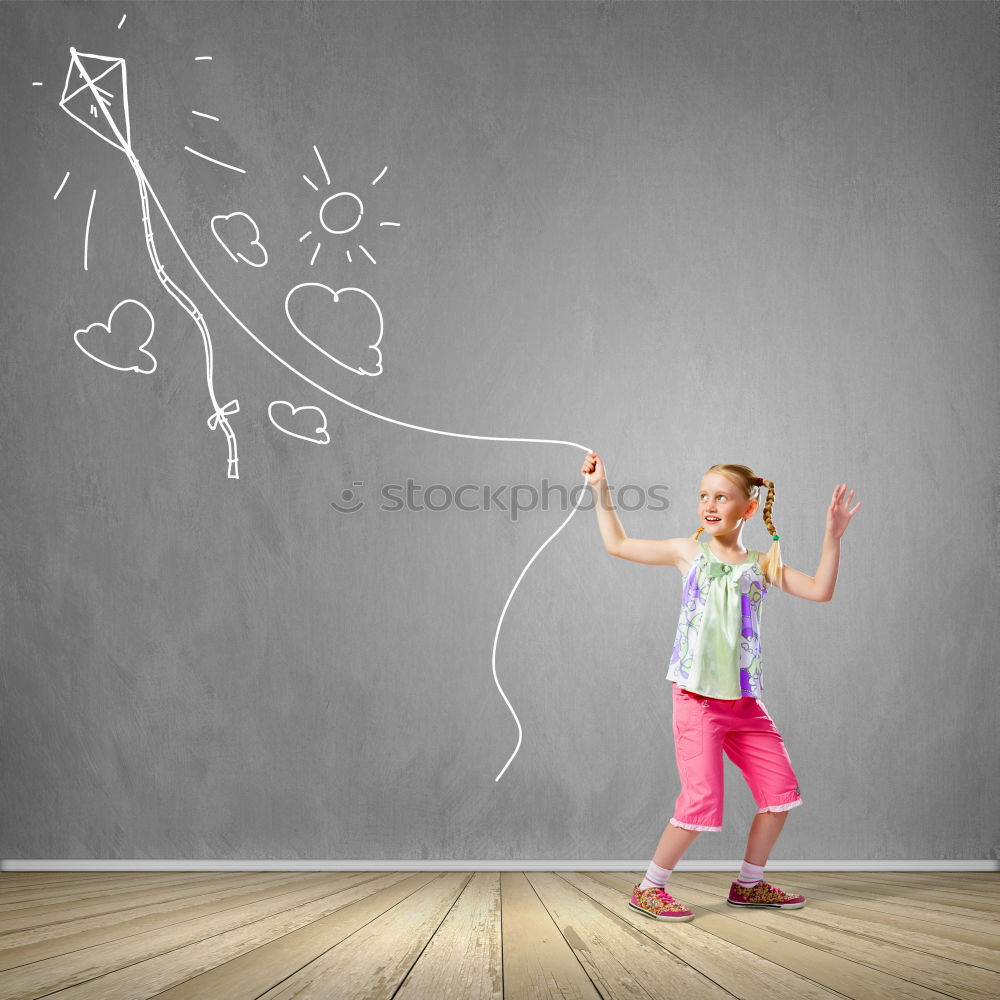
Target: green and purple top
(717, 648)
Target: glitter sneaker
(763, 894)
(659, 904)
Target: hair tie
(759, 481)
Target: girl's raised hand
(838, 517)
(593, 468)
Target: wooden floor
(472, 935)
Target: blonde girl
(717, 672)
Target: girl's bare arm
(821, 586)
(652, 551)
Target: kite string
(496, 637)
(219, 417)
(148, 188)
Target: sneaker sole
(771, 906)
(661, 916)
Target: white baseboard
(160, 865)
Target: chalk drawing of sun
(339, 214)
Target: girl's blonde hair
(743, 477)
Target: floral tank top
(717, 648)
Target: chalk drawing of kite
(135, 321)
(238, 234)
(326, 310)
(104, 111)
(96, 95)
(281, 413)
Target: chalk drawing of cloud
(238, 230)
(320, 309)
(124, 334)
(282, 414)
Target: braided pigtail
(771, 563)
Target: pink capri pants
(703, 728)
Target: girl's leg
(764, 831)
(674, 842)
(757, 749)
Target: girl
(716, 672)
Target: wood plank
(624, 961)
(982, 900)
(87, 904)
(986, 883)
(51, 940)
(538, 964)
(841, 960)
(40, 881)
(142, 966)
(89, 888)
(463, 959)
(371, 963)
(701, 946)
(245, 975)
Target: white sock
(750, 874)
(655, 876)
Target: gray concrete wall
(678, 234)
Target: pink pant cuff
(694, 826)
(784, 807)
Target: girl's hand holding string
(593, 468)
(838, 517)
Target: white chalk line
(86, 235)
(310, 183)
(202, 58)
(496, 637)
(315, 252)
(59, 189)
(255, 242)
(91, 81)
(201, 114)
(228, 166)
(380, 176)
(388, 223)
(122, 21)
(323, 435)
(336, 298)
(323, 165)
(367, 254)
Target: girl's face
(722, 506)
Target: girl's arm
(612, 533)
(652, 551)
(821, 587)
